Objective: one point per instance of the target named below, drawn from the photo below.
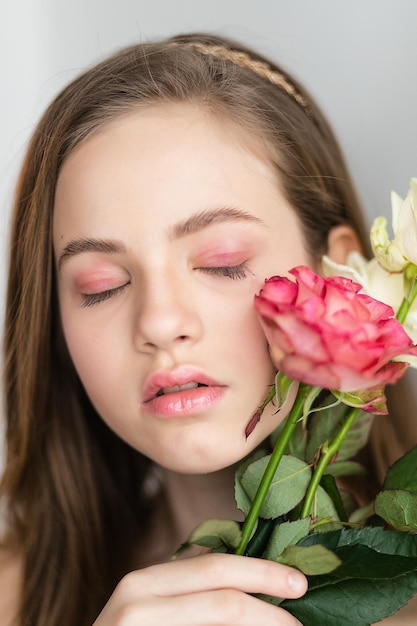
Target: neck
(193, 499)
(188, 501)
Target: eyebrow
(79, 246)
(197, 222)
(201, 220)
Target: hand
(207, 590)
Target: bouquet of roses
(340, 338)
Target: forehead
(159, 165)
(188, 118)
(162, 145)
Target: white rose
(395, 254)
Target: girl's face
(166, 225)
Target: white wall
(357, 57)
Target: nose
(167, 317)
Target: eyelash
(235, 272)
(91, 299)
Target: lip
(182, 402)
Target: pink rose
(325, 333)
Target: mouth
(175, 388)
(184, 391)
(180, 380)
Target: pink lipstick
(181, 392)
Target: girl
(159, 190)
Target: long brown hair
(74, 491)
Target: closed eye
(235, 272)
(91, 299)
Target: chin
(204, 461)
(205, 448)
(192, 466)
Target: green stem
(327, 455)
(276, 456)
(407, 303)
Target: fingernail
(297, 582)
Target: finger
(208, 608)
(219, 571)
(231, 607)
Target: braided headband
(259, 67)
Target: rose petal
(325, 332)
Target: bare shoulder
(10, 584)
(407, 616)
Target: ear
(342, 240)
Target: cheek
(248, 344)
(83, 356)
(92, 354)
(100, 373)
(238, 332)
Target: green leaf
(357, 437)
(370, 552)
(260, 538)
(378, 575)
(403, 474)
(352, 602)
(284, 535)
(324, 508)
(217, 533)
(323, 426)
(345, 468)
(329, 485)
(308, 404)
(378, 538)
(283, 386)
(311, 560)
(243, 501)
(297, 443)
(288, 486)
(349, 502)
(362, 562)
(362, 514)
(398, 508)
